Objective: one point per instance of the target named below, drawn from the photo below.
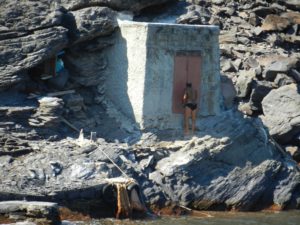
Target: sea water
(211, 218)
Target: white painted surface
(141, 67)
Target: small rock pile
(48, 114)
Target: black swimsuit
(192, 106)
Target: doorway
(187, 69)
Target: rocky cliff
(232, 162)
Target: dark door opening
(187, 68)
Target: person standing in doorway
(190, 107)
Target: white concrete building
(150, 64)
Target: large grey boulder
(132, 5)
(20, 17)
(244, 81)
(283, 65)
(40, 212)
(259, 91)
(281, 108)
(86, 68)
(231, 171)
(93, 22)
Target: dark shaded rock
(259, 91)
(243, 83)
(22, 53)
(282, 196)
(48, 113)
(294, 151)
(275, 23)
(28, 16)
(279, 66)
(132, 5)
(295, 74)
(86, 68)
(281, 109)
(283, 79)
(74, 102)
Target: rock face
(230, 163)
(132, 5)
(39, 212)
(282, 112)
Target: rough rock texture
(93, 22)
(239, 168)
(132, 5)
(282, 112)
(230, 163)
(39, 212)
(22, 53)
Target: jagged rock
(274, 22)
(243, 84)
(265, 11)
(195, 15)
(86, 68)
(131, 5)
(254, 176)
(295, 74)
(93, 22)
(40, 212)
(227, 66)
(29, 16)
(228, 91)
(283, 79)
(281, 109)
(259, 91)
(8, 80)
(279, 66)
(228, 38)
(294, 151)
(48, 113)
(74, 102)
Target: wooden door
(187, 69)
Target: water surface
(211, 218)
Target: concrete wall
(141, 69)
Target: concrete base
(140, 73)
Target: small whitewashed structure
(150, 64)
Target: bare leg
(194, 115)
(187, 114)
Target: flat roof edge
(134, 23)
